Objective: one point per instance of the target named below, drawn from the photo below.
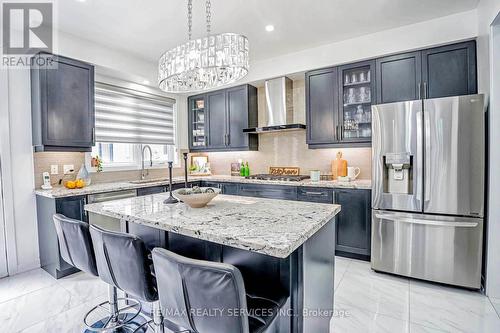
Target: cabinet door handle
(418, 90)
(93, 135)
(425, 89)
(228, 139)
(341, 132)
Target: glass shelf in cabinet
(350, 84)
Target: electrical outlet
(68, 167)
(54, 169)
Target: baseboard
(25, 268)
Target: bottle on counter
(242, 169)
(247, 170)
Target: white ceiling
(146, 28)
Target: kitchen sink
(147, 181)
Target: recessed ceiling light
(145, 82)
(269, 27)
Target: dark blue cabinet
(48, 244)
(62, 104)
(449, 70)
(353, 223)
(315, 194)
(283, 192)
(151, 190)
(217, 119)
(399, 78)
(431, 73)
(322, 106)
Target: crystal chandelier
(203, 63)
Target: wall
(424, 34)
(489, 83)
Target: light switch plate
(68, 167)
(54, 169)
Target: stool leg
(158, 318)
(113, 303)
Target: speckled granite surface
(268, 226)
(60, 192)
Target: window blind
(131, 116)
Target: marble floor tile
(414, 328)
(451, 309)
(24, 283)
(84, 286)
(70, 321)
(357, 320)
(341, 265)
(496, 304)
(374, 292)
(29, 309)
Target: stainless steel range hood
(279, 107)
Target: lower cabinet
(48, 244)
(353, 223)
(151, 190)
(284, 192)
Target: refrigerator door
(397, 141)
(454, 168)
(431, 247)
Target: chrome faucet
(145, 172)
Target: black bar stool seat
(209, 297)
(124, 262)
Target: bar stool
(124, 263)
(76, 248)
(203, 296)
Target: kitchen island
(284, 249)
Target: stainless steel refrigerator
(428, 174)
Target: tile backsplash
(290, 149)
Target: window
(126, 121)
(122, 156)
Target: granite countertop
(60, 192)
(268, 226)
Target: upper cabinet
(356, 92)
(322, 105)
(449, 70)
(438, 72)
(338, 105)
(217, 120)
(339, 99)
(62, 104)
(399, 78)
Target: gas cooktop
(290, 178)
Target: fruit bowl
(196, 197)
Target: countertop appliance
(266, 176)
(428, 189)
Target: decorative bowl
(196, 197)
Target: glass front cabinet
(197, 117)
(356, 93)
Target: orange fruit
(70, 184)
(80, 183)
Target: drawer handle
(314, 193)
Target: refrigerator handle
(396, 218)
(427, 157)
(418, 159)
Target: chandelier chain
(208, 7)
(190, 18)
